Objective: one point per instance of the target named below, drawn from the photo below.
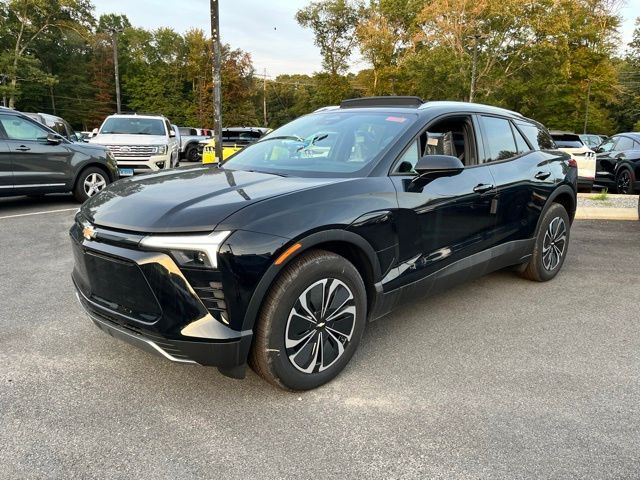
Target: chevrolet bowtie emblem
(89, 233)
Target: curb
(585, 213)
(609, 213)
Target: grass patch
(603, 195)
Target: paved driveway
(498, 378)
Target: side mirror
(172, 133)
(53, 139)
(435, 166)
(94, 132)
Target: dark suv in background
(35, 160)
(618, 163)
(280, 256)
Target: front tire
(311, 322)
(90, 182)
(551, 245)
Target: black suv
(35, 160)
(279, 257)
(618, 163)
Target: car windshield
(133, 126)
(340, 143)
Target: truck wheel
(192, 154)
(311, 322)
(90, 181)
(625, 181)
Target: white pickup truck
(585, 157)
(139, 143)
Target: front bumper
(145, 164)
(144, 299)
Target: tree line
(558, 61)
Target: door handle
(543, 175)
(23, 148)
(482, 188)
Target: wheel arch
(80, 170)
(563, 195)
(347, 244)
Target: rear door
(6, 168)
(36, 163)
(606, 161)
(524, 175)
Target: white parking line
(39, 213)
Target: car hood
(121, 139)
(186, 200)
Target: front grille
(132, 150)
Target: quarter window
(538, 137)
(499, 139)
(18, 128)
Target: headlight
(161, 149)
(189, 250)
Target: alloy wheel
(94, 183)
(624, 182)
(320, 325)
(554, 244)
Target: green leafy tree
(25, 22)
(333, 23)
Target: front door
(36, 162)
(447, 219)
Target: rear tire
(90, 182)
(311, 322)
(551, 245)
(625, 181)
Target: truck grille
(132, 150)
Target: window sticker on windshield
(396, 119)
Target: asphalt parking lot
(497, 378)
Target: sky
(265, 28)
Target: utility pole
(264, 97)
(474, 68)
(586, 111)
(115, 32)
(217, 66)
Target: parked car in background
(140, 143)
(57, 124)
(234, 139)
(280, 256)
(591, 140)
(176, 130)
(583, 155)
(189, 142)
(34, 160)
(618, 163)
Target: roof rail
(385, 101)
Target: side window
(18, 128)
(537, 136)
(498, 139)
(624, 143)
(608, 144)
(521, 143)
